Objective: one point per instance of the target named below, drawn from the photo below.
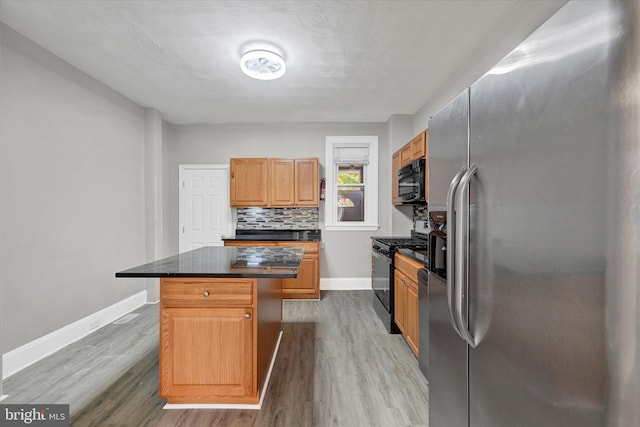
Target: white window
(352, 183)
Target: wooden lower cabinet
(191, 361)
(406, 299)
(307, 285)
(217, 338)
(400, 301)
(412, 317)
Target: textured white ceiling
(347, 61)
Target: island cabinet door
(206, 352)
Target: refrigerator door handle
(451, 245)
(462, 256)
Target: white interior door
(205, 214)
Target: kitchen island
(220, 322)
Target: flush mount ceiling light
(263, 65)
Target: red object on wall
(323, 185)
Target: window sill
(351, 227)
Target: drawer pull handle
(247, 316)
(205, 294)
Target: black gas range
(383, 250)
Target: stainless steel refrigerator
(538, 167)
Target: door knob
(247, 316)
(205, 294)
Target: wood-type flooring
(336, 366)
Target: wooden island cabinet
(201, 317)
(220, 321)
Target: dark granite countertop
(313, 235)
(421, 255)
(220, 261)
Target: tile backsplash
(277, 218)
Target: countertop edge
(212, 276)
(269, 239)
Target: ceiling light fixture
(262, 65)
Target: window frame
(370, 177)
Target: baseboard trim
(28, 354)
(345, 283)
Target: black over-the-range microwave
(411, 182)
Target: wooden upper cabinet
(249, 182)
(395, 166)
(414, 149)
(419, 146)
(283, 182)
(406, 155)
(274, 182)
(306, 182)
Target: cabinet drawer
(409, 267)
(178, 292)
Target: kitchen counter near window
(220, 322)
(307, 285)
(312, 235)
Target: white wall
(347, 254)
(153, 184)
(506, 36)
(72, 192)
(400, 131)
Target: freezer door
(447, 362)
(539, 135)
(448, 141)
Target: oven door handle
(462, 257)
(451, 246)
